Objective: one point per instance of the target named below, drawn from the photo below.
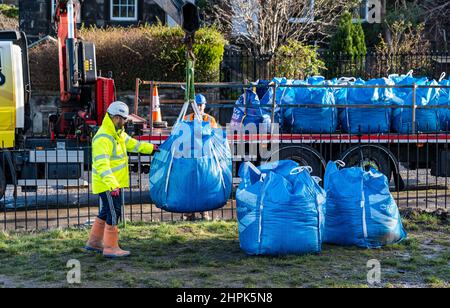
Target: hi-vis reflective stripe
(101, 157)
(136, 148)
(110, 171)
(107, 172)
(106, 156)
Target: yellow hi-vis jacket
(110, 159)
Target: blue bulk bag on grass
(427, 120)
(280, 209)
(367, 120)
(253, 115)
(360, 210)
(310, 119)
(193, 171)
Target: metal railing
(41, 202)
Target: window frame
(111, 9)
(366, 12)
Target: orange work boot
(95, 242)
(111, 248)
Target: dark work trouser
(111, 207)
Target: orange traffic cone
(156, 115)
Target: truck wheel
(369, 157)
(305, 156)
(2, 183)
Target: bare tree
(264, 25)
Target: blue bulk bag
(193, 171)
(427, 120)
(280, 209)
(284, 96)
(367, 120)
(360, 209)
(310, 119)
(443, 99)
(254, 115)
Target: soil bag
(427, 120)
(311, 119)
(193, 171)
(443, 99)
(249, 113)
(360, 209)
(366, 120)
(280, 209)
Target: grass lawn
(207, 254)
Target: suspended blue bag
(310, 119)
(284, 96)
(252, 114)
(427, 120)
(280, 209)
(193, 171)
(360, 209)
(443, 99)
(367, 120)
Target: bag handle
(346, 79)
(442, 77)
(340, 163)
(317, 179)
(300, 169)
(410, 73)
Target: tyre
(369, 157)
(305, 156)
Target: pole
(414, 106)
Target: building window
(53, 5)
(307, 15)
(124, 10)
(360, 13)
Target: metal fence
(239, 65)
(419, 177)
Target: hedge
(147, 52)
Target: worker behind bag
(192, 172)
(360, 210)
(280, 209)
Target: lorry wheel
(305, 156)
(2, 183)
(369, 157)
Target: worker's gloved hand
(156, 149)
(115, 192)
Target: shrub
(148, 52)
(297, 61)
(9, 11)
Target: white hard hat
(119, 108)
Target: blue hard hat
(200, 99)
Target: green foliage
(297, 61)
(349, 38)
(148, 52)
(9, 11)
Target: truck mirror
(190, 20)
